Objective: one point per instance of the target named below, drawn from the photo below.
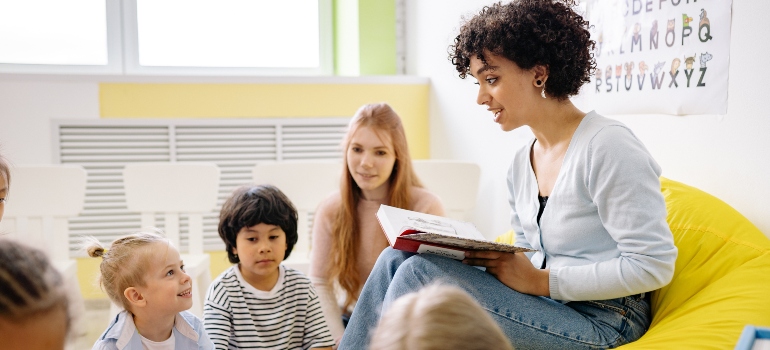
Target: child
(260, 303)
(437, 317)
(33, 301)
(144, 273)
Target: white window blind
(104, 147)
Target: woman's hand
(513, 270)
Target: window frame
(131, 46)
(123, 52)
(114, 52)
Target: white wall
(727, 156)
(27, 106)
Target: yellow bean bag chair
(722, 278)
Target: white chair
(40, 201)
(455, 182)
(306, 183)
(173, 189)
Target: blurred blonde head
(437, 317)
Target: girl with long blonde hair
(346, 236)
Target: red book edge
(410, 245)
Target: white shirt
(167, 344)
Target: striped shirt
(238, 316)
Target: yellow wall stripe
(129, 100)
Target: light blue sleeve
(623, 181)
(204, 342)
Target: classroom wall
(27, 107)
(727, 156)
(29, 103)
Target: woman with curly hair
(584, 193)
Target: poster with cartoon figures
(660, 56)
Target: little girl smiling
(144, 273)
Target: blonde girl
(144, 274)
(346, 236)
(437, 317)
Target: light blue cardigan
(604, 229)
(122, 334)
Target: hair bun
(95, 251)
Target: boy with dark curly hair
(259, 303)
(584, 193)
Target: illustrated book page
(424, 233)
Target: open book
(417, 232)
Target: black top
(543, 201)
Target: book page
(431, 226)
(396, 222)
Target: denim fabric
(530, 322)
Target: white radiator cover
(104, 147)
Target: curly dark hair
(29, 284)
(530, 33)
(253, 205)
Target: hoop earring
(542, 92)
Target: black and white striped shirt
(238, 316)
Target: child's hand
(513, 270)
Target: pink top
(372, 241)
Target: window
(259, 37)
(41, 36)
(166, 37)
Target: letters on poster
(650, 45)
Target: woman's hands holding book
(513, 270)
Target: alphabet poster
(660, 56)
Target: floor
(95, 321)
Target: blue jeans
(530, 322)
